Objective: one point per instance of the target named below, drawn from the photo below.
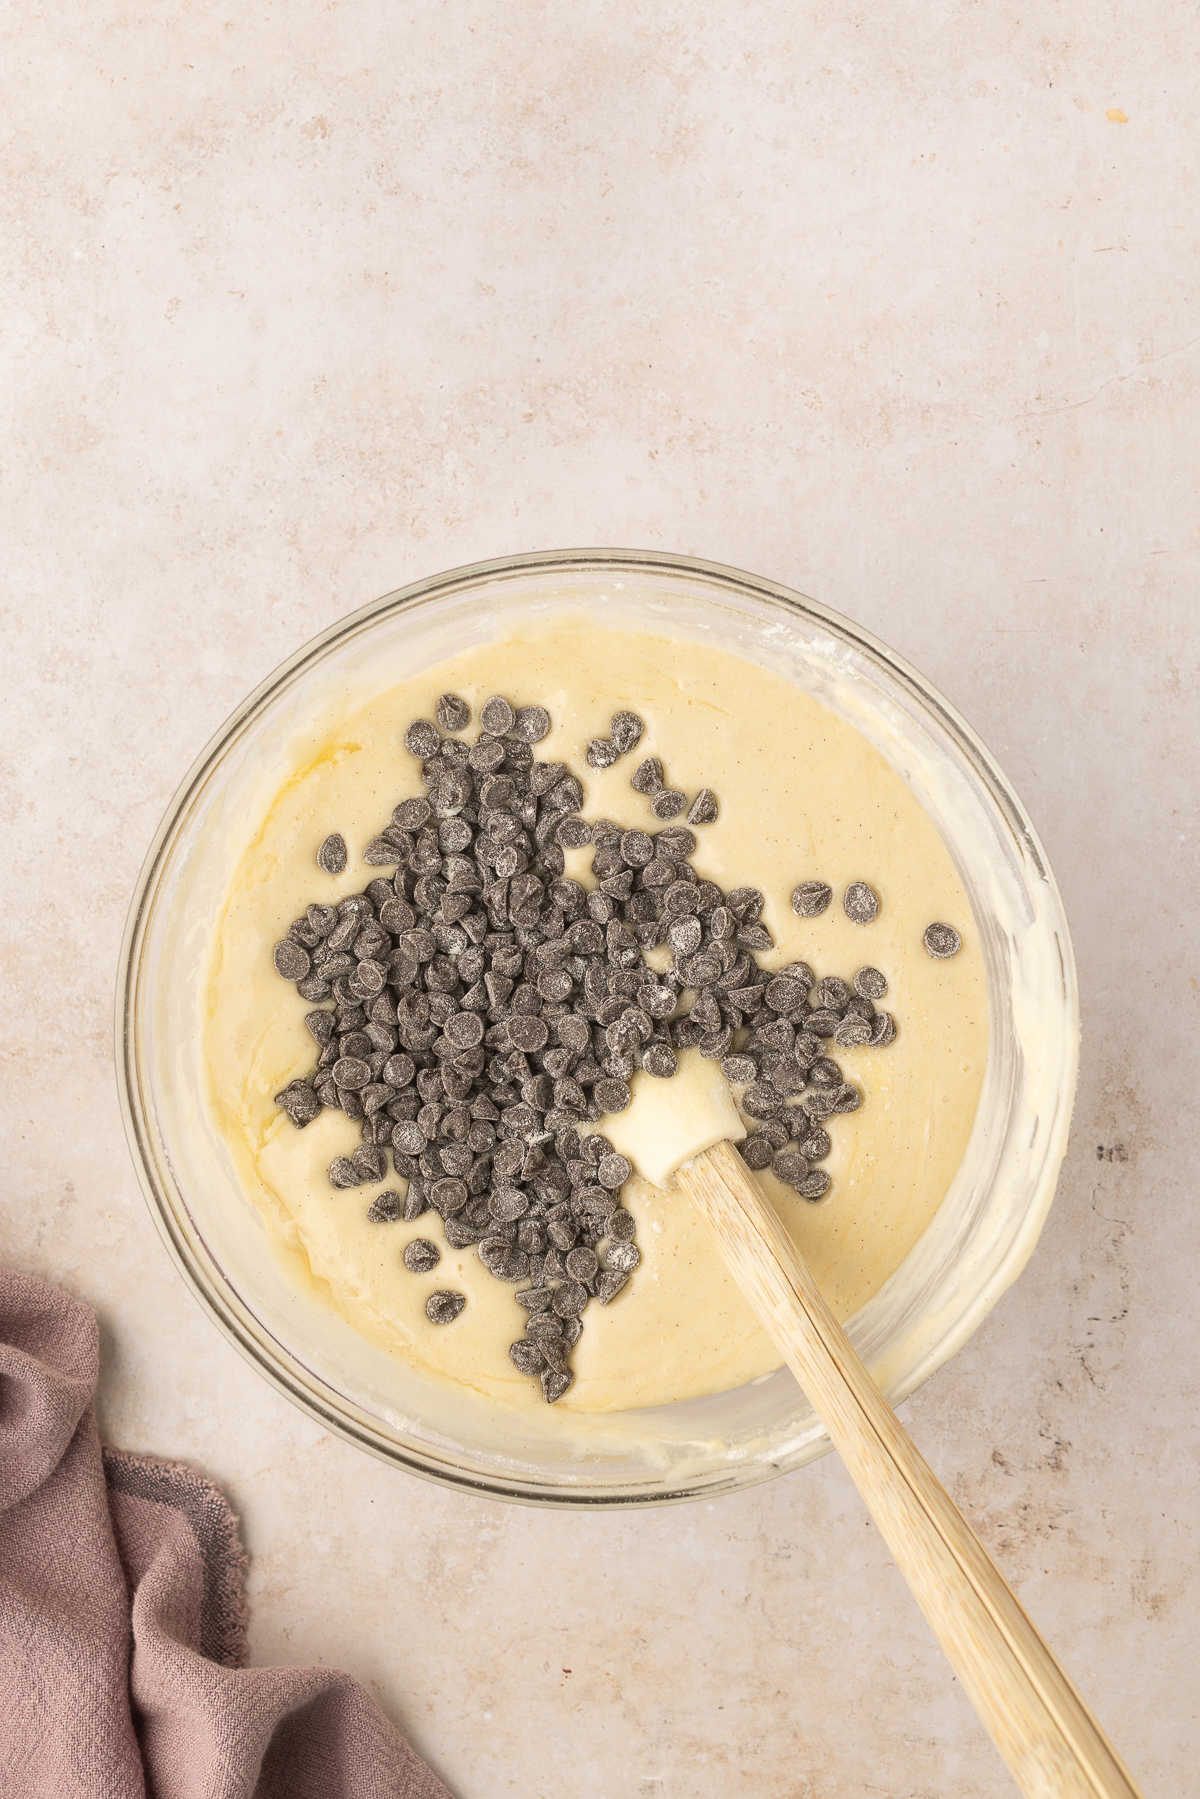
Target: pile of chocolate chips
(478, 1011)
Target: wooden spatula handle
(1041, 1727)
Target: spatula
(685, 1130)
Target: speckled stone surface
(900, 307)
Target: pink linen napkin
(122, 1614)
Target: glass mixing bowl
(981, 1235)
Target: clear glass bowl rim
(224, 1308)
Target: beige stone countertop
(898, 305)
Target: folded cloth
(122, 1614)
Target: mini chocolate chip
(791, 1166)
(416, 1200)
(444, 1306)
(602, 752)
(421, 738)
(668, 802)
(452, 712)
(811, 898)
(785, 995)
(448, 1195)
(622, 1258)
(611, 1095)
(531, 724)
(379, 853)
(497, 716)
(861, 903)
(756, 1150)
(647, 777)
(626, 730)
(420, 1256)
(399, 1070)
(613, 1170)
(572, 832)
(292, 961)
(868, 983)
(332, 856)
(570, 1299)
(883, 1030)
(464, 1029)
(704, 808)
(940, 940)
(527, 1358)
(761, 1100)
(300, 1101)
(351, 1072)
(852, 1033)
(685, 935)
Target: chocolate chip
(611, 1095)
(704, 808)
(555, 1382)
(527, 1358)
(739, 1069)
(668, 802)
(602, 752)
(332, 856)
(531, 724)
(570, 1299)
(659, 1060)
(497, 716)
(756, 1151)
(940, 940)
(622, 1258)
(785, 995)
(815, 1184)
(350, 1072)
(452, 712)
(613, 1170)
(811, 898)
(408, 1138)
(343, 1173)
(416, 1200)
(647, 777)
(444, 1306)
(860, 903)
(385, 1208)
(420, 1256)
(869, 983)
(791, 1166)
(883, 1030)
(292, 961)
(851, 1033)
(815, 1143)
(300, 1101)
(380, 852)
(421, 738)
(626, 731)
(609, 1284)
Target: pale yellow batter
(803, 796)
